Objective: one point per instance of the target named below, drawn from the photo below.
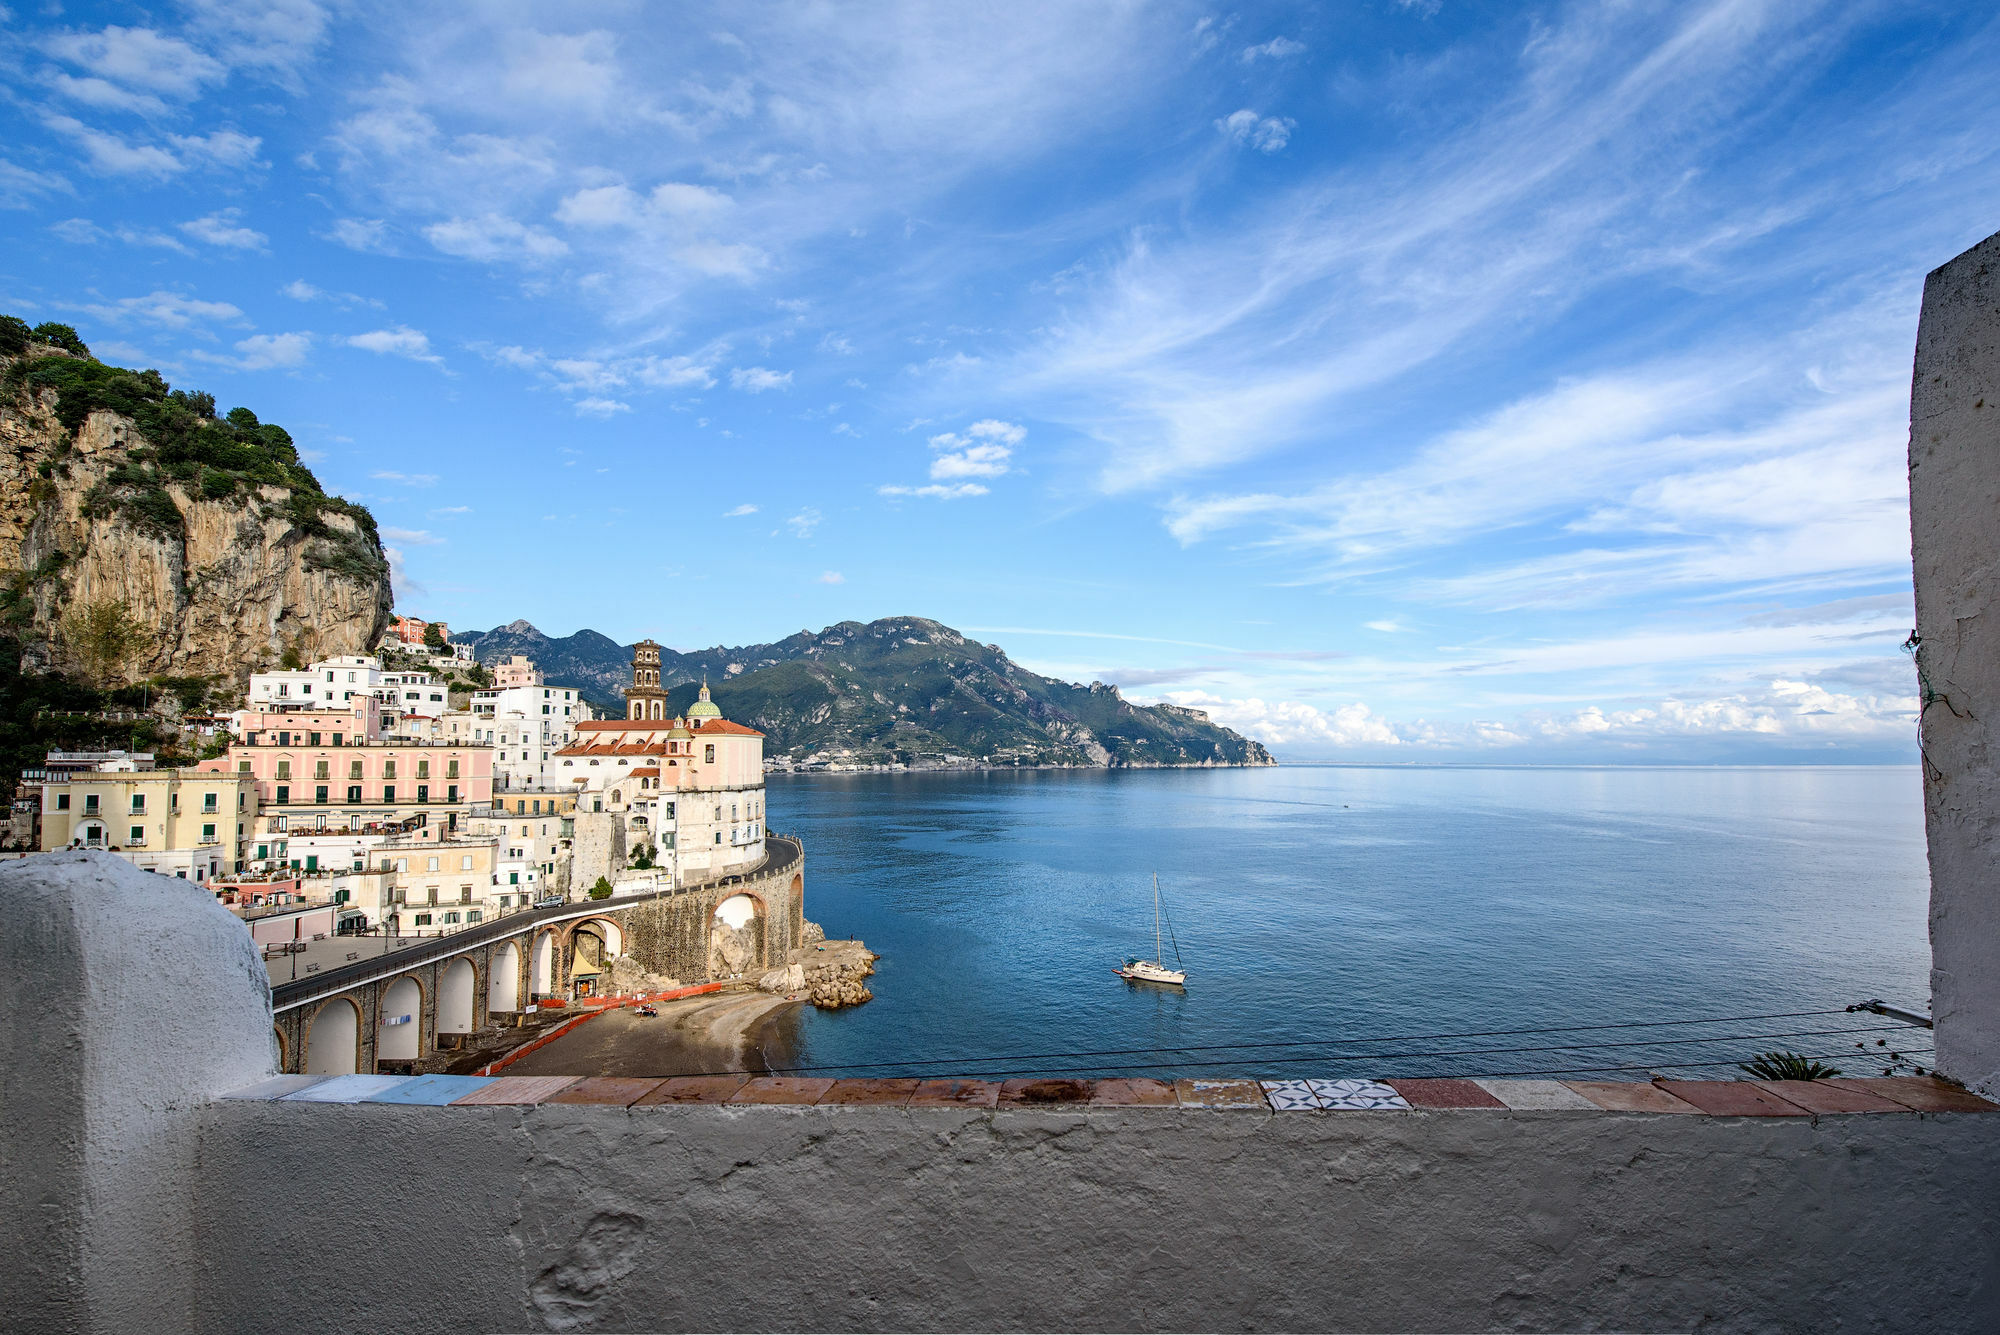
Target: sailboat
(1154, 970)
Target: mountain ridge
(904, 690)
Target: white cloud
(133, 68)
(170, 309)
(21, 188)
(1266, 134)
(414, 537)
(832, 577)
(493, 237)
(744, 509)
(264, 351)
(402, 341)
(1293, 722)
(300, 290)
(1386, 627)
(222, 228)
(368, 235)
(1275, 49)
(674, 373)
(804, 522)
(406, 479)
(757, 379)
(453, 510)
(936, 492)
(601, 407)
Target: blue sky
(1395, 380)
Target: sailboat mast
(1157, 956)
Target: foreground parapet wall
(1955, 542)
(698, 1216)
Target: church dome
(703, 707)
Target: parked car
(550, 902)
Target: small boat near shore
(1155, 969)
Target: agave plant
(1787, 1066)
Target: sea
(1365, 921)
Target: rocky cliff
(215, 541)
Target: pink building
(358, 721)
(348, 786)
(514, 670)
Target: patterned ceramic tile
(434, 1091)
(1354, 1095)
(1291, 1095)
(276, 1087)
(346, 1089)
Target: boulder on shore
(833, 972)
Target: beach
(727, 1031)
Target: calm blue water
(1341, 905)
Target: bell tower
(644, 699)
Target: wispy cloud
(401, 341)
(406, 479)
(757, 379)
(744, 509)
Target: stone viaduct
(393, 1009)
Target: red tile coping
(518, 1089)
(618, 1090)
(893, 1091)
(783, 1089)
(1041, 1092)
(1732, 1098)
(694, 1089)
(1443, 1094)
(1919, 1093)
(1221, 1094)
(956, 1094)
(1136, 1093)
(1630, 1096)
(1821, 1096)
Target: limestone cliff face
(239, 583)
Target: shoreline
(722, 1032)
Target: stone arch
(503, 979)
(398, 1039)
(736, 936)
(333, 1039)
(458, 986)
(593, 943)
(284, 1048)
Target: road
(728, 1031)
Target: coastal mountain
(142, 534)
(902, 689)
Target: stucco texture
(1954, 512)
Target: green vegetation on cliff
(211, 457)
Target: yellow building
(178, 822)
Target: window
(312, 739)
(423, 769)
(513, 878)
(451, 917)
(718, 836)
(62, 801)
(389, 769)
(284, 739)
(423, 792)
(388, 793)
(138, 835)
(208, 834)
(709, 753)
(451, 769)
(538, 807)
(465, 862)
(670, 811)
(284, 794)
(319, 795)
(473, 916)
(353, 769)
(336, 739)
(465, 894)
(423, 920)
(402, 864)
(431, 894)
(354, 794)
(284, 769)
(432, 865)
(319, 770)
(138, 804)
(242, 767)
(545, 709)
(263, 850)
(451, 792)
(209, 804)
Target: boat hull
(1144, 973)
